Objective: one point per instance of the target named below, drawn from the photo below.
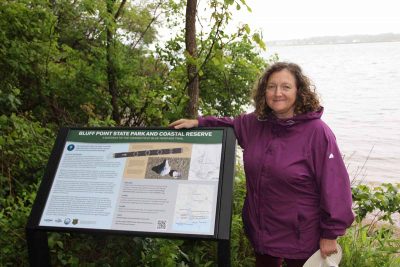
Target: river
(359, 85)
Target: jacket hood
(296, 119)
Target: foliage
(25, 47)
(383, 200)
(24, 149)
(14, 212)
(370, 247)
(53, 62)
(227, 64)
(58, 62)
(74, 249)
(162, 252)
(223, 91)
(366, 243)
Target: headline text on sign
(147, 133)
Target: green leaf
(60, 244)
(257, 38)
(229, 2)
(247, 28)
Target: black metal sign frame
(37, 234)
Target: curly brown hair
(307, 99)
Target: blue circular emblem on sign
(70, 147)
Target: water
(360, 89)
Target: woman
(298, 191)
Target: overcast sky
(292, 19)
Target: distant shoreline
(329, 40)
(311, 44)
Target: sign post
(137, 181)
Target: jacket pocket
(307, 231)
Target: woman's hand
(184, 123)
(327, 247)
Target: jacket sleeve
(238, 125)
(333, 183)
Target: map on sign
(206, 162)
(192, 210)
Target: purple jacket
(298, 189)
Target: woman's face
(281, 92)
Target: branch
(201, 34)
(208, 53)
(149, 25)
(119, 11)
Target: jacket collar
(295, 119)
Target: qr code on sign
(161, 224)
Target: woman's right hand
(184, 123)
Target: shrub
(24, 149)
(366, 243)
(363, 247)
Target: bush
(363, 247)
(14, 213)
(382, 200)
(366, 243)
(24, 149)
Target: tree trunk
(111, 71)
(190, 40)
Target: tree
(191, 50)
(110, 46)
(26, 46)
(226, 64)
(228, 78)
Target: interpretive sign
(137, 180)
(153, 182)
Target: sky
(297, 19)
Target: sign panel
(142, 180)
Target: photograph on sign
(162, 181)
